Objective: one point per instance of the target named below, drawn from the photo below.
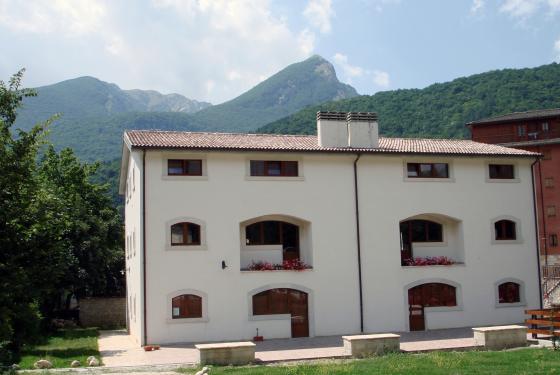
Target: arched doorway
(285, 301)
(428, 295)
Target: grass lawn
(523, 361)
(62, 348)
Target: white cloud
(319, 14)
(306, 41)
(347, 69)
(204, 49)
(71, 18)
(520, 8)
(381, 79)
(477, 6)
(349, 72)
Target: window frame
(518, 231)
(274, 158)
(283, 165)
(181, 247)
(204, 307)
(186, 225)
(185, 167)
(522, 299)
(489, 178)
(553, 240)
(432, 161)
(198, 300)
(426, 231)
(176, 155)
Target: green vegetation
(442, 110)
(94, 114)
(299, 85)
(525, 361)
(59, 234)
(62, 347)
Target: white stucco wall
(324, 198)
(133, 253)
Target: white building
(208, 213)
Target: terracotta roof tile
(308, 143)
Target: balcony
(275, 243)
(431, 240)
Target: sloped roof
(156, 139)
(519, 116)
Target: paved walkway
(118, 349)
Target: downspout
(545, 242)
(535, 200)
(145, 307)
(358, 242)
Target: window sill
(502, 180)
(436, 265)
(183, 178)
(187, 320)
(514, 304)
(428, 179)
(264, 271)
(186, 248)
(506, 242)
(272, 178)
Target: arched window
(505, 230)
(183, 234)
(186, 306)
(273, 232)
(421, 231)
(285, 301)
(432, 295)
(509, 292)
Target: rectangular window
(521, 130)
(182, 167)
(553, 240)
(501, 171)
(551, 211)
(427, 170)
(549, 182)
(544, 127)
(274, 168)
(547, 154)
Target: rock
(204, 371)
(75, 364)
(90, 358)
(43, 364)
(94, 362)
(15, 367)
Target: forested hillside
(442, 110)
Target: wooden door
(297, 302)
(416, 317)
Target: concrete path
(119, 349)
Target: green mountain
(297, 86)
(442, 109)
(87, 96)
(94, 113)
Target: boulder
(90, 358)
(15, 367)
(75, 364)
(94, 362)
(43, 364)
(205, 370)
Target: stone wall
(103, 312)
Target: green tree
(30, 257)
(59, 233)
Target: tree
(59, 234)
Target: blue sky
(214, 50)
